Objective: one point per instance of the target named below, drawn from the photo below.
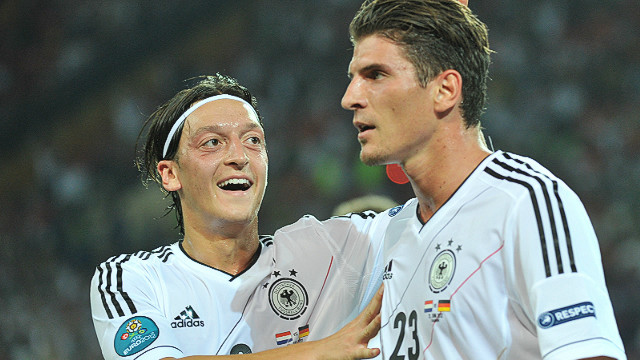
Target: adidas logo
(187, 318)
(387, 275)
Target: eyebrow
(216, 128)
(374, 66)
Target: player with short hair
(496, 257)
(223, 289)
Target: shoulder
(354, 229)
(522, 177)
(138, 261)
(122, 283)
(360, 222)
(311, 223)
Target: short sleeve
(557, 277)
(126, 313)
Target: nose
(352, 98)
(237, 155)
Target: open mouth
(235, 185)
(363, 127)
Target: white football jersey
(508, 268)
(307, 281)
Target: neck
(439, 169)
(231, 251)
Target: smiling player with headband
(223, 289)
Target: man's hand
(351, 341)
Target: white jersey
(306, 282)
(508, 268)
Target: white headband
(193, 108)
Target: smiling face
(392, 111)
(220, 170)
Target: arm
(348, 343)
(558, 276)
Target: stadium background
(77, 79)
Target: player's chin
(372, 159)
(241, 214)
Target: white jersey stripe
(536, 210)
(561, 210)
(106, 286)
(120, 289)
(547, 199)
(540, 178)
(563, 214)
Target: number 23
(401, 322)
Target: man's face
(392, 112)
(221, 165)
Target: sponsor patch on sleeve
(134, 335)
(569, 313)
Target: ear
(168, 172)
(448, 91)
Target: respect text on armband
(569, 313)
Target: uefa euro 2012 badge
(135, 335)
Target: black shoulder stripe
(166, 256)
(364, 214)
(565, 224)
(110, 293)
(536, 210)
(266, 240)
(158, 250)
(124, 294)
(547, 200)
(163, 253)
(106, 288)
(103, 296)
(109, 290)
(563, 214)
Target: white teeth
(234, 182)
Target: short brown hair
(436, 35)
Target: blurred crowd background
(78, 78)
